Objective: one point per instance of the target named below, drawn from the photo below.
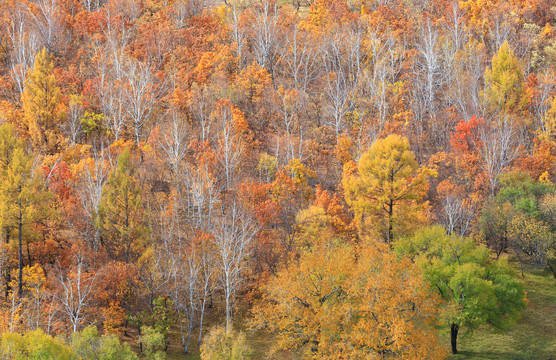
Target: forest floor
(533, 338)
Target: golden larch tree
(43, 107)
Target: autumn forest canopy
(343, 179)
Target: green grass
(533, 337)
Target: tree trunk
(139, 336)
(520, 262)
(454, 338)
(228, 314)
(201, 321)
(551, 268)
(20, 227)
(390, 226)
(182, 337)
(8, 273)
(189, 331)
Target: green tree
(42, 106)
(532, 238)
(532, 229)
(387, 189)
(23, 197)
(87, 344)
(161, 317)
(478, 289)
(121, 212)
(152, 343)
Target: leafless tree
(377, 80)
(229, 147)
(429, 66)
(233, 235)
(47, 23)
(72, 127)
(117, 37)
(93, 5)
(238, 35)
(465, 84)
(25, 44)
(456, 25)
(499, 148)
(76, 290)
(141, 92)
(298, 60)
(342, 58)
(200, 108)
(475, 71)
(94, 177)
(456, 214)
(183, 10)
(174, 142)
(337, 85)
(185, 293)
(201, 198)
(291, 104)
(109, 91)
(206, 289)
(113, 108)
(502, 29)
(542, 101)
(264, 34)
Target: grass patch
(533, 337)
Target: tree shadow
(494, 355)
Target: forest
(277, 179)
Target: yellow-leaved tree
(386, 189)
(338, 300)
(43, 107)
(504, 81)
(24, 198)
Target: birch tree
(141, 93)
(233, 235)
(76, 292)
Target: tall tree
(23, 196)
(122, 216)
(387, 188)
(76, 288)
(504, 81)
(233, 237)
(42, 105)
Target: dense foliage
(351, 176)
